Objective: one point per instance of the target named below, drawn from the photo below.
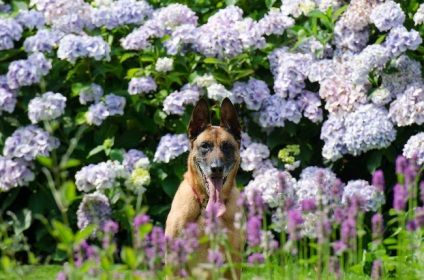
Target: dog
(213, 162)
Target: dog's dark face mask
(215, 149)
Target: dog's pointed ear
(229, 119)
(200, 119)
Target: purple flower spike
(400, 195)
(378, 180)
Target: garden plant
(96, 96)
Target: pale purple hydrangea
(5, 8)
(381, 96)
(92, 93)
(99, 176)
(141, 85)
(274, 22)
(28, 142)
(47, 107)
(400, 39)
(370, 197)
(8, 97)
(357, 14)
(218, 92)
(414, 148)
(346, 38)
(310, 103)
(73, 46)
(10, 30)
(275, 111)
(408, 108)
(164, 64)
(253, 155)
(175, 102)
(313, 46)
(93, 209)
(252, 93)
(181, 36)
(115, 104)
(30, 19)
(333, 131)
(134, 159)
(419, 15)
(121, 12)
(43, 41)
(319, 70)
(372, 57)
(297, 7)
(14, 173)
(369, 127)
(27, 72)
(276, 187)
(290, 71)
(387, 15)
(171, 146)
(97, 113)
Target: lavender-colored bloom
(181, 36)
(8, 96)
(134, 159)
(400, 196)
(408, 108)
(213, 224)
(164, 64)
(97, 113)
(309, 103)
(373, 56)
(370, 196)
(368, 128)
(216, 258)
(319, 70)
(255, 258)
(378, 180)
(14, 173)
(92, 93)
(357, 15)
(94, 209)
(155, 246)
(111, 227)
(295, 221)
(218, 92)
(115, 104)
(414, 148)
(43, 41)
(176, 101)
(253, 230)
(377, 270)
(27, 72)
(268, 243)
(381, 96)
(400, 39)
(141, 85)
(268, 185)
(73, 46)
(98, 176)
(171, 146)
(334, 266)
(377, 226)
(275, 111)
(419, 15)
(47, 107)
(140, 220)
(252, 155)
(30, 19)
(253, 93)
(29, 142)
(332, 132)
(387, 15)
(308, 204)
(339, 247)
(346, 38)
(290, 71)
(274, 22)
(10, 31)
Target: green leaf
(69, 191)
(116, 154)
(374, 161)
(243, 73)
(212, 60)
(159, 117)
(84, 233)
(380, 39)
(63, 232)
(96, 150)
(128, 256)
(134, 72)
(77, 87)
(71, 163)
(19, 5)
(270, 3)
(125, 56)
(45, 161)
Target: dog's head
(215, 149)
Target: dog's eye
(205, 146)
(227, 147)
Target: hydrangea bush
(95, 97)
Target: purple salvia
(377, 227)
(141, 220)
(334, 266)
(255, 258)
(378, 180)
(110, 227)
(338, 214)
(336, 190)
(377, 269)
(294, 221)
(216, 258)
(401, 164)
(213, 225)
(254, 225)
(422, 191)
(308, 205)
(155, 247)
(400, 195)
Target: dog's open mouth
(215, 183)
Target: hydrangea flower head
(414, 148)
(43, 41)
(164, 64)
(73, 46)
(115, 104)
(30, 19)
(400, 39)
(97, 113)
(27, 72)
(10, 30)
(218, 92)
(371, 198)
(93, 209)
(253, 155)
(419, 15)
(408, 108)
(14, 173)
(49, 106)
(387, 15)
(253, 93)
(175, 102)
(141, 85)
(171, 146)
(92, 93)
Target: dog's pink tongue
(215, 196)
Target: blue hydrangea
(171, 146)
(92, 93)
(274, 22)
(369, 127)
(27, 72)
(134, 159)
(400, 39)
(371, 197)
(408, 108)
(30, 19)
(47, 107)
(275, 111)
(419, 15)
(290, 71)
(387, 15)
(141, 85)
(310, 103)
(373, 56)
(14, 173)
(180, 37)
(115, 104)
(94, 209)
(28, 142)
(253, 155)
(7, 96)
(10, 30)
(99, 176)
(97, 113)
(346, 38)
(218, 92)
(73, 46)
(43, 41)
(319, 70)
(5, 8)
(332, 133)
(253, 93)
(414, 148)
(175, 102)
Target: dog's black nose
(217, 167)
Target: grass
(32, 272)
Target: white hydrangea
(164, 64)
(414, 147)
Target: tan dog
(212, 166)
